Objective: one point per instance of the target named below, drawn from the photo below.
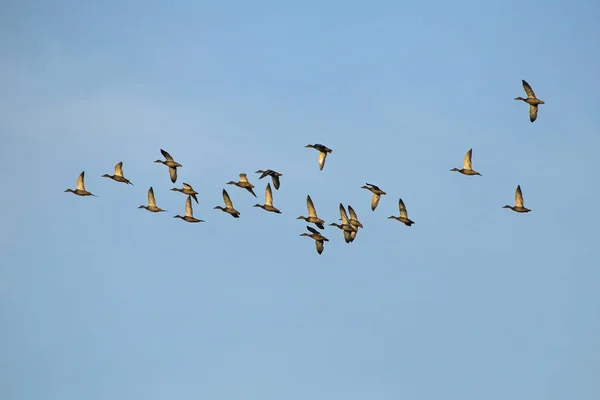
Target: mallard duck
(346, 226)
(318, 238)
(377, 193)
(243, 183)
(80, 191)
(531, 100)
(228, 206)
(189, 212)
(323, 150)
(187, 189)
(268, 206)
(403, 214)
(519, 205)
(169, 162)
(152, 202)
(273, 174)
(118, 176)
(466, 169)
(312, 214)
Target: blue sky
(99, 299)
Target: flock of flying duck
(350, 224)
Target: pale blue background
(100, 300)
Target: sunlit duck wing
(519, 197)
(311, 207)
(151, 200)
(119, 169)
(80, 184)
(227, 199)
(353, 215)
(189, 212)
(322, 157)
(268, 195)
(467, 159)
(187, 186)
(343, 215)
(375, 201)
(243, 178)
(402, 209)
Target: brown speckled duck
(323, 150)
(531, 100)
(172, 164)
(80, 191)
(228, 206)
(519, 205)
(467, 169)
(118, 176)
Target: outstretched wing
(322, 157)
(518, 197)
(166, 155)
(268, 195)
(320, 246)
(276, 182)
(402, 208)
(119, 169)
(528, 89)
(189, 212)
(313, 230)
(243, 178)
(173, 174)
(311, 207)
(80, 184)
(343, 215)
(151, 200)
(227, 199)
(533, 110)
(467, 159)
(375, 201)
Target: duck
(519, 205)
(187, 189)
(228, 206)
(346, 226)
(318, 238)
(152, 202)
(118, 176)
(377, 193)
(268, 206)
(467, 169)
(403, 214)
(323, 150)
(172, 164)
(243, 183)
(189, 212)
(531, 100)
(273, 174)
(80, 191)
(312, 214)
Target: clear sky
(101, 300)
